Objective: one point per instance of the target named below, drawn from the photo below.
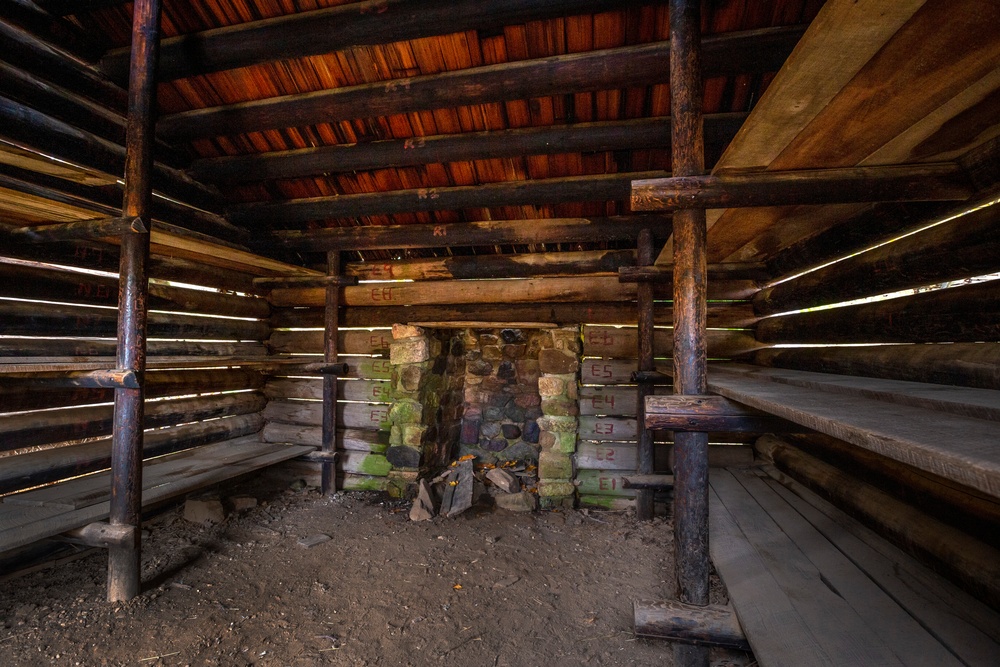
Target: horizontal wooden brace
(321, 31)
(112, 379)
(665, 273)
(103, 535)
(305, 281)
(920, 182)
(320, 457)
(326, 369)
(652, 377)
(651, 482)
(739, 52)
(85, 230)
(708, 413)
(599, 188)
(710, 625)
(489, 233)
(636, 134)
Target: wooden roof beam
(331, 29)
(918, 182)
(747, 51)
(602, 187)
(582, 137)
(551, 230)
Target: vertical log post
(645, 256)
(328, 483)
(126, 453)
(690, 373)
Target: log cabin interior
(740, 254)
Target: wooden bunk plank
(907, 639)
(789, 611)
(969, 629)
(923, 439)
(978, 403)
(42, 522)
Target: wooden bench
(40, 513)
(811, 586)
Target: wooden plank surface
(370, 391)
(37, 523)
(903, 635)
(970, 629)
(622, 342)
(916, 436)
(789, 613)
(965, 401)
(373, 416)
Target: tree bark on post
(126, 453)
(644, 465)
(690, 307)
(328, 481)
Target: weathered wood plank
(310, 413)
(714, 625)
(603, 483)
(353, 439)
(523, 265)
(372, 391)
(911, 435)
(687, 412)
(622, 343)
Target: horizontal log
(41, 467)
(84, 229)
(105, 257)
(347, 461)
(970, 313)
(976, 514)
(37, 131)
(611, 371)
(962, 364)
(65, 105)
(304, 281)
(310, 413)
(729, 53)
(623, 343)
(352, 439)
(488, 233)
(650, 482)
(523, 265)
(710, 625)
(47, 61)
(965, 246)
(19, 318)
(294, 212)
(105, 200)
(38, 391)
(540, 290)
(709, 413)
(665, 274)
(372, 391)
(103, 535)
(920, 182)
(45, 284)
(622, 456)
(106, 348)
(327, 368)
(734, 315)
(40, 428)
(638, 134)
(321, 31)
(364, 368)
(963, 557)
(348, 342)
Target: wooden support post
(645, 255)
(328, 482)
(126, 453)
(690, 367)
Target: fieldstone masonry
(500, 394)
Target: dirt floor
(488, 588)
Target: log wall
(58, 317)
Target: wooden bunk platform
(811, 586)
(911, 422)
(51, 510)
